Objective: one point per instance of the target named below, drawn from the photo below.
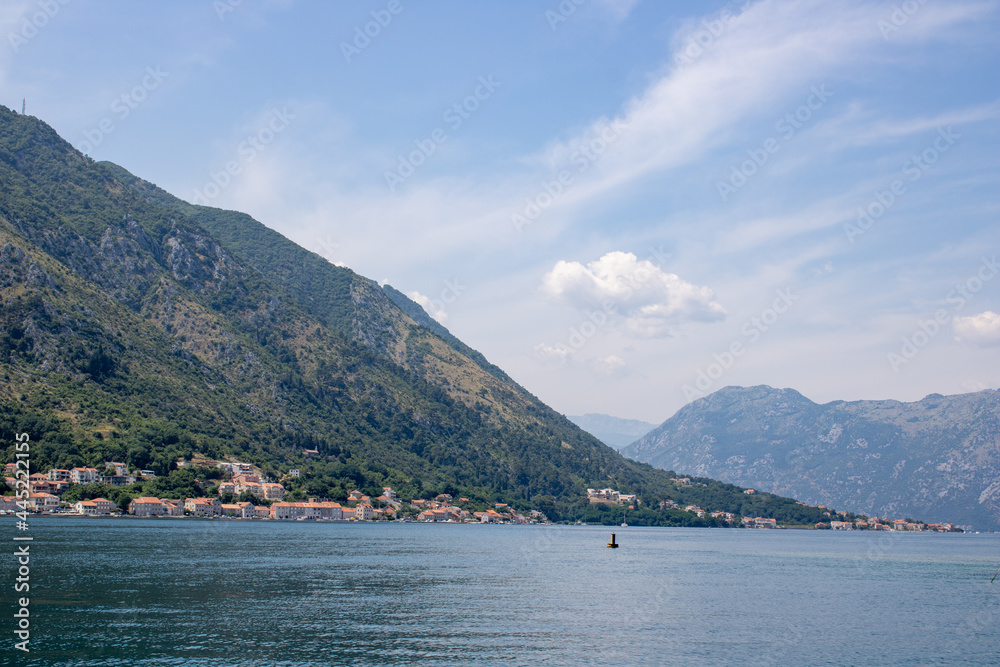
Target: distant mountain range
(937, 459)
(612, 431)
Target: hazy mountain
(136, 327)
(937, 459)
(612, 431)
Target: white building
(84, 475)
(121, 469)
(273, 491)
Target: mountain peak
(937, 458)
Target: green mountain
(139, 328)
(937, 459)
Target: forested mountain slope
(139, 328)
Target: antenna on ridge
(22, 106)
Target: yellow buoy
(612, 544)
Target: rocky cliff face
(937, 459)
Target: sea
(133, 592)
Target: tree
(101, 366)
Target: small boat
(624, 525)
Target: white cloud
(610, 364)
(982, 330)
(972, 386)
(861, 127)
(433, 307)
(618, 285)
(557, 353)
(768, 52)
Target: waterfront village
(242, 478)
(610, 496)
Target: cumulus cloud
(552, 353)
(650, 301)
(433, 307)
(610, 365)
(981, 330)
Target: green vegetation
(139, 328)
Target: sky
(626, 205)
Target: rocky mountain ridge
(937, 459)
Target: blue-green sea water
(128, 592)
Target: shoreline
(68, 515)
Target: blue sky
(626, 205)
